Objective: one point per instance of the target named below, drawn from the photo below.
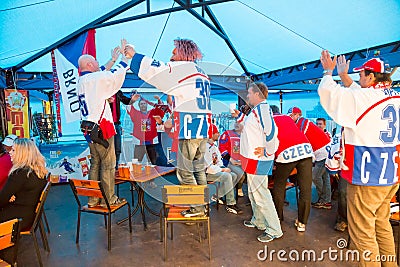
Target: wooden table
(135, 179)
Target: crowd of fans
(264, 144)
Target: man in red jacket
(294, 151)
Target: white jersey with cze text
(189, 85)
(371, 121)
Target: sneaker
(327, 206)
(192, 213)
(214, 199)
(118, 201)
(93, 205)
(233, 209)
(240, 192)
(340, 226)
(265, 237)
(317, 204)
(301, 227)
(322, 205)
(249, 224)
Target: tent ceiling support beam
(158, 12)
(88, 26)
(313, 69)
(203, 20)
(217, 29)
(227, 40)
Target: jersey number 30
(203, 102)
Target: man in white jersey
(190, 86)
(369, 113)
(94, 88)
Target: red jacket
(6, 164)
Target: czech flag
(66, 63)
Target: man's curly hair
(188, 50)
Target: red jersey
(318, 139)
(144, 125)
(229, 143)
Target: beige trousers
(368, 210)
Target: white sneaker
(214, 199)
(301, 227)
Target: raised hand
(115, 53)
(135, 97)
(342, 65)
(259, 151)
(327, 62)
(123, 45)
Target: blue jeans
(227, 180)
(102, 168)
(237, 169)
(117, 143)
(264, 212)
(322, 181)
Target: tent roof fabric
(265, 35)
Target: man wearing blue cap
(369, 113)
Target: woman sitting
(25, 183)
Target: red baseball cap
(376, 65)
(214, 129)
(294, 110)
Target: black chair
(38, 224)
(90, 188)
(9, 237)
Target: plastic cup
(232, 108)
(130, 166)
(138, 168)
(121, 169)
(126, 172)
(54, 178)
(147, 169)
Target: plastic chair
(38, 223)
(91, 188)
(177, 198)
(9, 237)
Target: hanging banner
(56, 93)
(17, 112)
(66, 59)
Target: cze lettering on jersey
(376, 165)
(194, 125)
(297, 151)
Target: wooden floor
(232, 243)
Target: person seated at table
(229, 146)
(25, 183)
(216, 172)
